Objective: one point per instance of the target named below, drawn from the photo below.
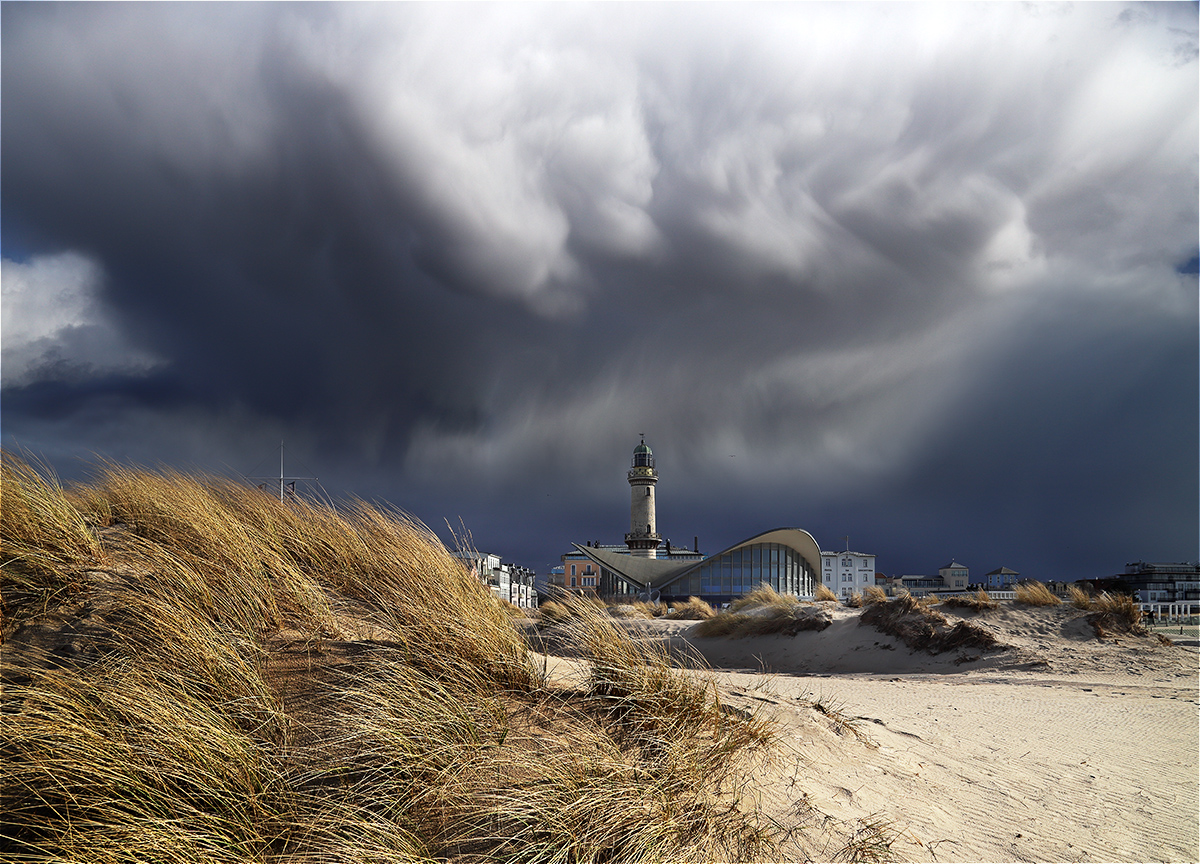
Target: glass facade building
(725, 577)
(786, 559)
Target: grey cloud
(470, 251)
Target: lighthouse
(642, 538)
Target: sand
(1064, 747)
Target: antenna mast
(283, 478)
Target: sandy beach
(1062, 747)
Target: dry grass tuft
(873, 594)
(764, 596)
(694, 609)
(44, 541)
(824, 595)
(638, 609)
(978, 601)
(512, 609)
(764, 612)
(855, 600)
(870, 841)
(553, 612)
(210, 709)
(1035, 594)
(1115, 614)
(1080, 599)
(923, 629)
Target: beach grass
(693, 609)
(764, 612)
(1035, 594)
(184, 681)
(978, 601)
(922, 628)
(824, 595)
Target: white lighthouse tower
(642, 538)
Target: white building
(509, 582)
(846, 573)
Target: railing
(1173, 613)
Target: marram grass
(185, 681)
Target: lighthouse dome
(643, 456)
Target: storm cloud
(920, 274)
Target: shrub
(1035, 594)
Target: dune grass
(1115, 614)
(824, 595)
(1111, 614)
(219, 709)
(978, 601)
(45, 540)
(1035, 594)
(763, 612)
(694, 609)
(914, 622)
(873, 594)
(1080, 599)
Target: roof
(657, 573)
(954, 565)
(1004, 571)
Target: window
(572, 573)
(572, 581)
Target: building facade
(510, 582)
(1163, 582)
(847, 573)
(1000, 578)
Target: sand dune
(1061, 747)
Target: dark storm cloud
(831, 259)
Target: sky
(919, 275)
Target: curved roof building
(787, 559)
